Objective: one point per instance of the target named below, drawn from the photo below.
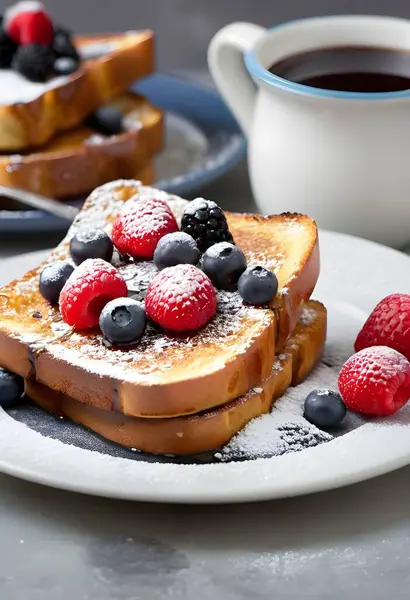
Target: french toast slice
(36, 112)
(165, 375)
(210, 429)
(77, 161)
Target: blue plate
(203, 143)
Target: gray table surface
(352, 543)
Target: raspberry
(181, 298)
(388, 325)
(27, 22)
(375, 381)
(91, 286)
(140, 225)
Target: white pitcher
(341, 157)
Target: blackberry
(34, 61)
(8, 49)
(206, 223)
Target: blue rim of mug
(256, 70)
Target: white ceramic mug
(341, 157)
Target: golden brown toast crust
(98, 80)
(69, 166)
(296, 234)
(211, 429)
(164, 376)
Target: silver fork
(58, 209)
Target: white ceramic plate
(355, 275)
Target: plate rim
(210, 170)
(52, 463)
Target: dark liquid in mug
(348, 69)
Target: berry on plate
(375, 381)
(53, 278)
(224, 263)
(11, 388)
(324, 408)
(206, 223)
(140, 225)
(176, 249)
(91, 286)
(257, 285)
(388, 325)
(123, 321)
(27, 22)
(181, 298)
(91, 243)
(34, 61)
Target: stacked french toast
(164, 325)
(67, 120)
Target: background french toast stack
(67, 120)
(173, 392)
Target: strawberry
(375, 381)
(388, 325)
(140, 225)
(27, 22)
(181, 298)
(90, 287)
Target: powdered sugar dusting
(222, 333)
(308, 315)
(272, 263)
(284, 429)
(99, 212)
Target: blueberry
(107, 120)
(11, 388)
(65, 65)
(224, 263)
(123, 321)
(53, 278)
(324, 408)
(176, 249)
(258, 285)
(63, 45)
(91, 243)
(8, 49)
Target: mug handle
(226, 65)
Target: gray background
(184, 27)
(347, 544)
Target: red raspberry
(90, 287)
(375, 381)
(181, 298)
(27, 22)
(140, 225)
(388, 325)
